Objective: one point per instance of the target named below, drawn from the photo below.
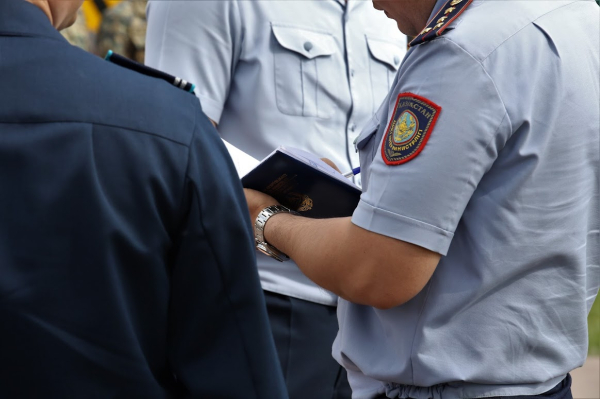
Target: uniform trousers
(561, 391)
(304, 333)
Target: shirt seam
(412, 344)
(388, 63)
(164, 36)
(229, 301)
(98, 124)
(270, 287)
(377, 39)
(525, 26)
(198, 202)
(484, 69)
(187, 169)
(33, 35)
(504, 117)
(236, 50)
(300, 27)
(241, 44)
(211, 107)
(409, 218)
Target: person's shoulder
(484, 26)
(108, 94)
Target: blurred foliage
(594, 328)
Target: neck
(412, 15)
(44, 6)
(424, 9)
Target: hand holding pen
(353, 172)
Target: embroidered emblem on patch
(411, 124)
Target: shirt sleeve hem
(213, 109)
(402, 228)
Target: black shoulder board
(438, 24)
(146, 70)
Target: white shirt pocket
(385, 60)
(303, 66)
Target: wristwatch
(259, 231)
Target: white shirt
(306, 74)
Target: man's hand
(257, 201)
(361, 266)
(330, 163)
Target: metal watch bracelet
(259, 231)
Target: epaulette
(146, 70)
(438, 24)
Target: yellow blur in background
(92, 12)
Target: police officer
(127, 266)
(304, 74)
(471, 261)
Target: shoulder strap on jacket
(438, 24)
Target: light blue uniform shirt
(306, 74)
(507, 190)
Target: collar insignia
(412, 121)
(438, 24)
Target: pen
(353, 172)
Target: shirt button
(396, 60)
(352, 72)
(308, 46)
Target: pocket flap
(366, 134)
(385, 52)
(308, 43)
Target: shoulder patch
(438, 24)
(409, 129)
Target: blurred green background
(594, 328)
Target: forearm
(358, 265)
(309, 243)
(361, 266)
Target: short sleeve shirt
(505, 188)
(304, 74)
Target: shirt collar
(21, 18)
(438, 6)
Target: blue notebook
(304, 183)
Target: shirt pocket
(303, 68)
(366, 143)
(383, 64)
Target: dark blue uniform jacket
(127, 264)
